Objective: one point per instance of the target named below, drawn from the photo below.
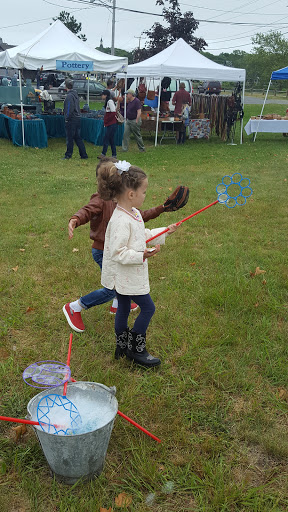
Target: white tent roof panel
(179, 60)
(58, 43)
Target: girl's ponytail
(113, 181)
(109, 181)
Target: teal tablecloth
(55, 125)
(34, 129)
(92, 130)
(37, 131)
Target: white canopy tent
(181, 61)
(58, 44)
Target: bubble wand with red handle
(183, 220)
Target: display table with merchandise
(92, 130)
(170, 126)
(266, 126)
(45, 126)
(167, 125)
(34, 130)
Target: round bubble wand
(51, 405)
(232, 191)
(49, 374)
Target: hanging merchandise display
(234, 111)
(223, 111)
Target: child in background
(125, 267)
(183, 129)
(110, 124)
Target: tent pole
(158, 110)
(262, 109)
(21, 106)
(125, 96)
(241, 124)
(88, 97)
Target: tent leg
(125, 96)
(88, 97)
(262, 110)
(158, 110)
(241, 124)
(21, 106)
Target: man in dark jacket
(73, 122)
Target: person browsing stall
(133, 121)
(73, 122)
(180, 97)
(110, 124)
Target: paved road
(250, 100)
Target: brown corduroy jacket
(98, 212)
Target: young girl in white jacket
(125, 266)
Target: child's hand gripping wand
(233, 191)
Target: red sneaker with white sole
(134, 306)
(73, 318)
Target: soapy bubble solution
(94, 414)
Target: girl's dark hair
(111, 184)
(108, 96)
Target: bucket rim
(111, 390)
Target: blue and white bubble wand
(232, 191)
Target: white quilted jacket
(125, 241)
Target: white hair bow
(122, 166)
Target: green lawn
(219, 400)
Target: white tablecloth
(266, 126)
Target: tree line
(269, 51)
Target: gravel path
(250, 100)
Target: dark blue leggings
(147, 310)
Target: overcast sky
(20, 20)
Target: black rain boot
(121, 344)
(137, 352)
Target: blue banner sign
(74, 65)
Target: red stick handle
(183, 220)
(68, 362)
(132, 422)
(138, 426)
(16, 420)
(26, 422)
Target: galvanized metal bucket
(78, 456)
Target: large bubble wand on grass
(232, 191)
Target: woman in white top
(125, 267)
(110, 124)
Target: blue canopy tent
(280, 74)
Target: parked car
(210, 88)
(81, 86)
(54, 79)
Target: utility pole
(139, 37)
(113, 28)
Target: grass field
(219, 400)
